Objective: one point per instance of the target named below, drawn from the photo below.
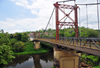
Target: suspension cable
(74, 2)
(52, 25)
(87, 28)
(79, 24)
(64, 25)
(65, 1)
(87, 15)
(48, 21)
(89, 4)
(98, 18)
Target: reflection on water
(32, 61)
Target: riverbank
(29, 49)
(89, 63)
(45, 47)
(97, 66)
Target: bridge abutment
(65, 60)
(36, 44)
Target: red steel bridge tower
(74, 22)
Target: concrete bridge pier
(65, 60)
(36, 44)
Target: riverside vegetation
(18, 43)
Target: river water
(32, 61)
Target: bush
(24, 37)
(90, 57)
(4, 39)
(53, 67)
(12, 42)
(19, 47)
(46, 46)
(5, 51)
(97, 66)
(5, 55)
(17, 36)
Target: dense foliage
(5, 54)
(5, 51)
(21, 36)
(69, 32)
(17, 41)
(4, 39)
(46, 46)
(10, 43)
(29, 49)
(18, 47)
(90, 57)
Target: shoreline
(31, 52)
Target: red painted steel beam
(76, 21)
(66, 15)
(67, 22)
(66, 6)
(57, 21)
(59, 24)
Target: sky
(32, 15)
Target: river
(32, 61)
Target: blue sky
(10, 10)
(32, 15)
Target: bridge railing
(86, 42)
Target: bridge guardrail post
(80, 42)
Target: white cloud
(20, 4)
(26, 24)
(12, 0)
(43, 9)
(22, 1)
(34, 12)
(10, 19)
(14, 31)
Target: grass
(96, 67)
(93, 58)
(53, 67)
(29, 49)
(31, 52)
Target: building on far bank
(31, 36)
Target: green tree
(5, 51)
(17, 36)
(92, 33)
(12, 43)
(4, 39)
(40, 31)
(5, 55)
(10, 36)
(67, 34)
(18, 47)
(24, 37)
(86, 32)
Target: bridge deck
(75, 46)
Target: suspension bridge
(67, 50)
